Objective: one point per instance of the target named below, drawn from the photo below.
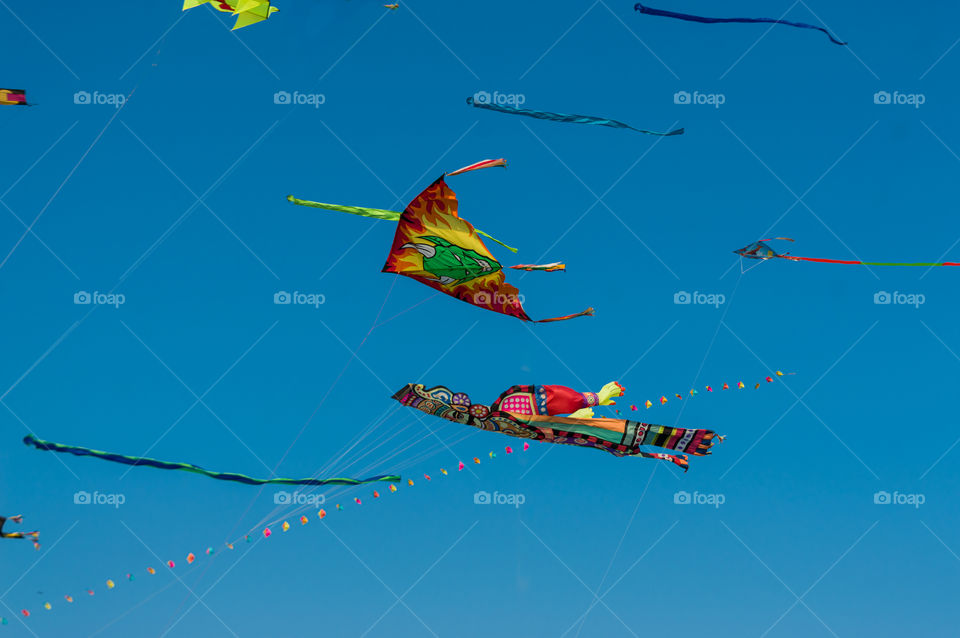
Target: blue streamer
(563, 117)
(692, 18)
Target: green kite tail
(375, 213)
(187, 467)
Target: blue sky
(177, 202)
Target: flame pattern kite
(434, 246)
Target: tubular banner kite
(761, 250)
(692, 18)
(186, 467)
(247, 11)
(530, 412)
(434, 246)
(563, 117)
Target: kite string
(317, 409)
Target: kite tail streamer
(680, 461)
(377, 213)
(222, 476)
(870, 263)
(492, 238)
(586, 313)
(475, 167)
(544, 267)
(692, 18)
(564, 117)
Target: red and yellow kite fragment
(13, 97)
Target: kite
(761, 250)
(222, 476)
(13, 97)
(434, 246)
(247, 11)
(392, 7)
(531, 412)
(482, 102)
(692, 18)
(19, 519)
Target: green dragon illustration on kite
(452, 265)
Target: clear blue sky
(200, 365)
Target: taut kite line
(49, 446)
